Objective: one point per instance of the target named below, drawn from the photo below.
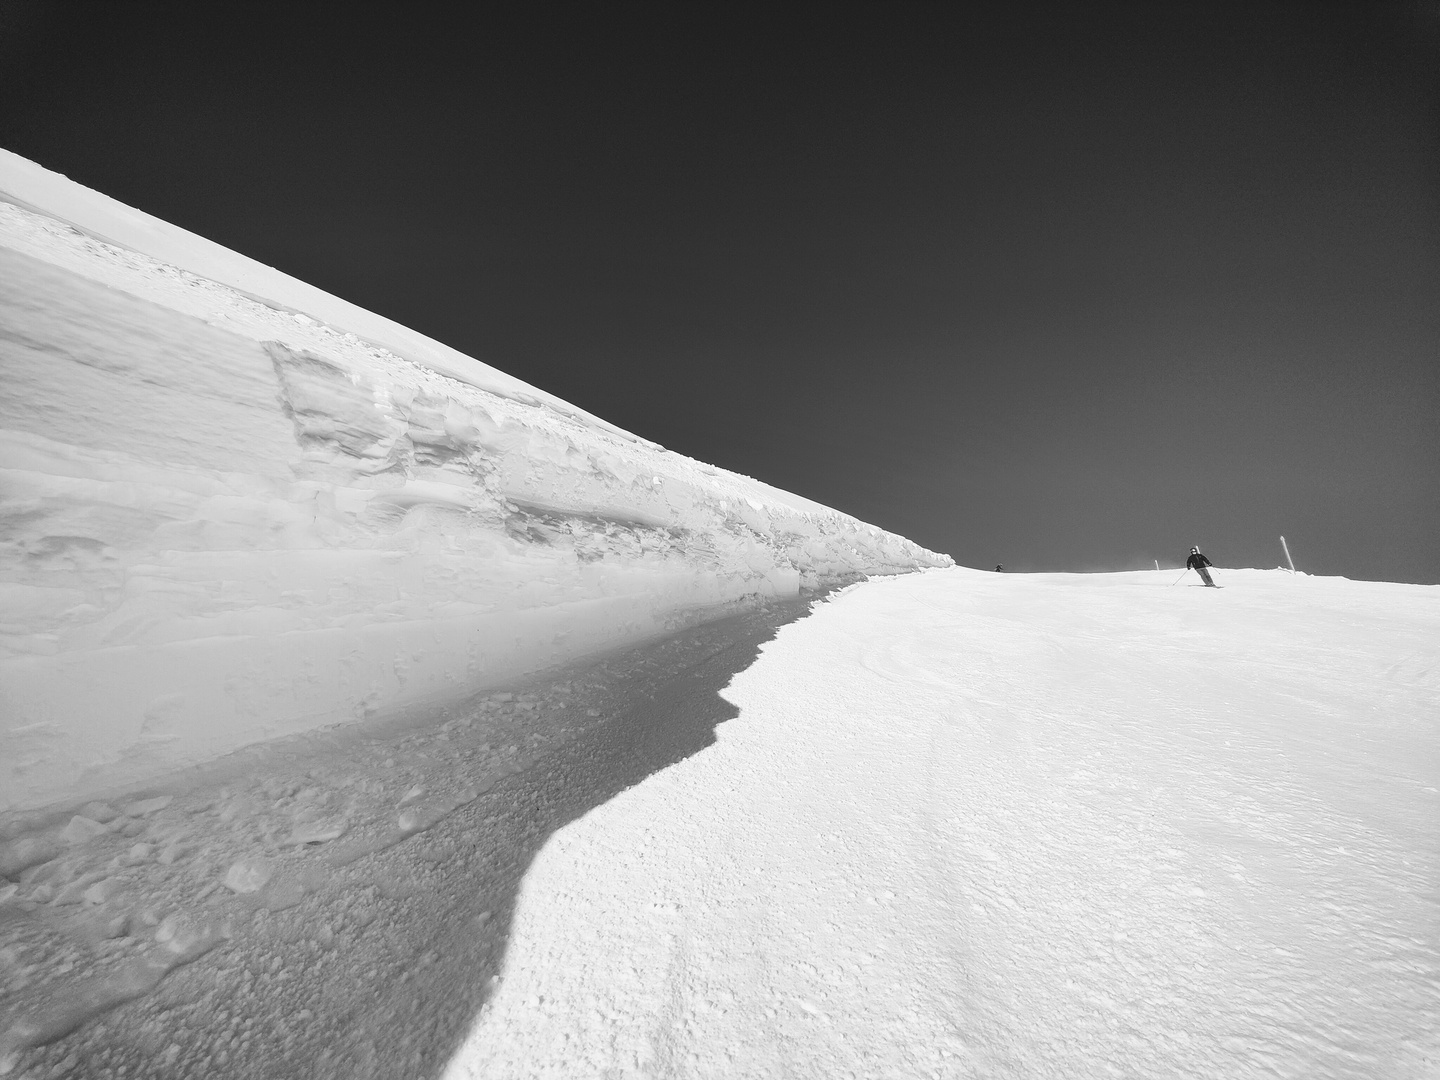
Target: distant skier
(1198, 563)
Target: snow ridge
(228, 521)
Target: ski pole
(1182, 574)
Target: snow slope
(234, 508)
(951, 824)
(981, 825)
(26, 184)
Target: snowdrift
(236, 508)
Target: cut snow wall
(224, 521)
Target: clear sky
(1068, 287)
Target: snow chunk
(146, 807)
(19, 855)
(249, 875)
(81, 830)
(317, 832)
(99, 811)
(101, 891)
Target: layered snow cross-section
(228, 515)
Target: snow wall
(234, 508)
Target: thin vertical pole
(1157, 564)
(1287, 554)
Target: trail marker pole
(1157, 564)
(1287, 554)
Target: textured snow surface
(952, 824)
(225, 520)
(977, 825)
(333, 905)
(26, 184)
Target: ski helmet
(1195, 551)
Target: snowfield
(367, 713)
(954, 824)
(235, 508)
(1061, 826)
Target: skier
(1198, 563)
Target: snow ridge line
(241, 524)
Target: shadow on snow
(417, 1023)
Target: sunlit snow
(229, 519)
(515, 748)
(977, 825)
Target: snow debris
(175, 851)
(376, 923)
(81, 830)
(421, 817)
(317, 832)
(284, 893)
(146, 807)
(19, 855)
(73, 891)
(112, 925)
(248, 875)
(100, 811)
(101, 891)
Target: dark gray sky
(1068, 287)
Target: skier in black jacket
(1198, 563)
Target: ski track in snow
(982, 825)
